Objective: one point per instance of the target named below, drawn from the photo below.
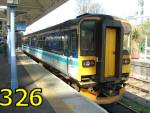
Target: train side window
(30, 40)
(48, 42)
(38, 44)
(65, 44)
(42, 41)
(27, 41)
(65, 41)
(74, 44)
(60, 44)
(33, 39)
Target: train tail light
(126, 61)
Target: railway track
(138, 88)
(139, 91)
(144, 81)
(118, 107)
(140, 85)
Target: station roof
(32, 10)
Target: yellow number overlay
(24, 96)
(7, 93)
(38, 97)
(34, 97)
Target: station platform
(58, 97)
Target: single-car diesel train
(92, 51)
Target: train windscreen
(87, 38)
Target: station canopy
(32, 10)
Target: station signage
(21, 26)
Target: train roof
(75, 21)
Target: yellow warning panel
(88, 94)
(102, 100)
(110, 52)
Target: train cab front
(103, 58)
(109, 59)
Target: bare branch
(86, 6)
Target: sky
(120, 8)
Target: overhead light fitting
(15, 2)
(3, 7)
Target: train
(91, 51)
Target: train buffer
(58, 97)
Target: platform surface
(58, 96)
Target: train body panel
(126, 68)
(86, 71)
(57, 61)
(88, 49)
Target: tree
(141, 5)
(135, 34)
(146, 27)
(138, 35)
(87, 6)
(137, 41)
(146, 30)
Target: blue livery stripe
(48, 54)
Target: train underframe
(101, 93)
(105, 93)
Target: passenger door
(65, 39)
(110, 49)
(73, 57)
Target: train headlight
(126, 61)
(88, 63)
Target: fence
(140, 69)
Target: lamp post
(145, 46)
(11, 4)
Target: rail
(118, 107)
